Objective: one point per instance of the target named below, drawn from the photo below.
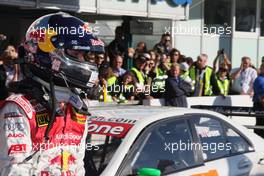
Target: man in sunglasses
(164, 46)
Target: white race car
(153, 141)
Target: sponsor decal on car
(17, 148)
(113, 119)
(205, 132)
(117, 127)
(210, 173)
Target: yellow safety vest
(139, 75)
(184, 75)
(223, 86)
(122, 98)
(207, 84)
(105, 95)
(159, 81)
(159, 72)
(111, 80)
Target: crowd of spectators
(161, 72)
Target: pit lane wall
(234, 100)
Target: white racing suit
(23, 122)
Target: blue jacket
(258, 87)
(176, 92)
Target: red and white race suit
(23, 123)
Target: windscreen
(102, 148)
(105, 136)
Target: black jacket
(175, 93)
(3, 89)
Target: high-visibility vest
(122, 98)
(223, 85)
(111, 80)
(139, 75)
(185, 75)
(207, 82)
(105, 95)
(159, 82)
(159, 72)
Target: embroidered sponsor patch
(76, 101)
(68, 136)
(14, 126)
(17, 148)
(23, 103)
(42, 119)
(14, 135)
(77, 117)
(44, 173)
(56, 65)
(39, 108)
(97, 42)
(12, 115)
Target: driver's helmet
(57, 45)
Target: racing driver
(43, 123)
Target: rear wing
(235, 111)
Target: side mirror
(149, 172)
(261, 161)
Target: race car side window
(165, 146)
(218, 139)
(212, 137)
(238, 143)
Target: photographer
(221, 68)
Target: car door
(165, 147)
(211, 141)
(224, 146)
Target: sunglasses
(99, 57)
(223, 70)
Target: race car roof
(129, 112)
(134, 113)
